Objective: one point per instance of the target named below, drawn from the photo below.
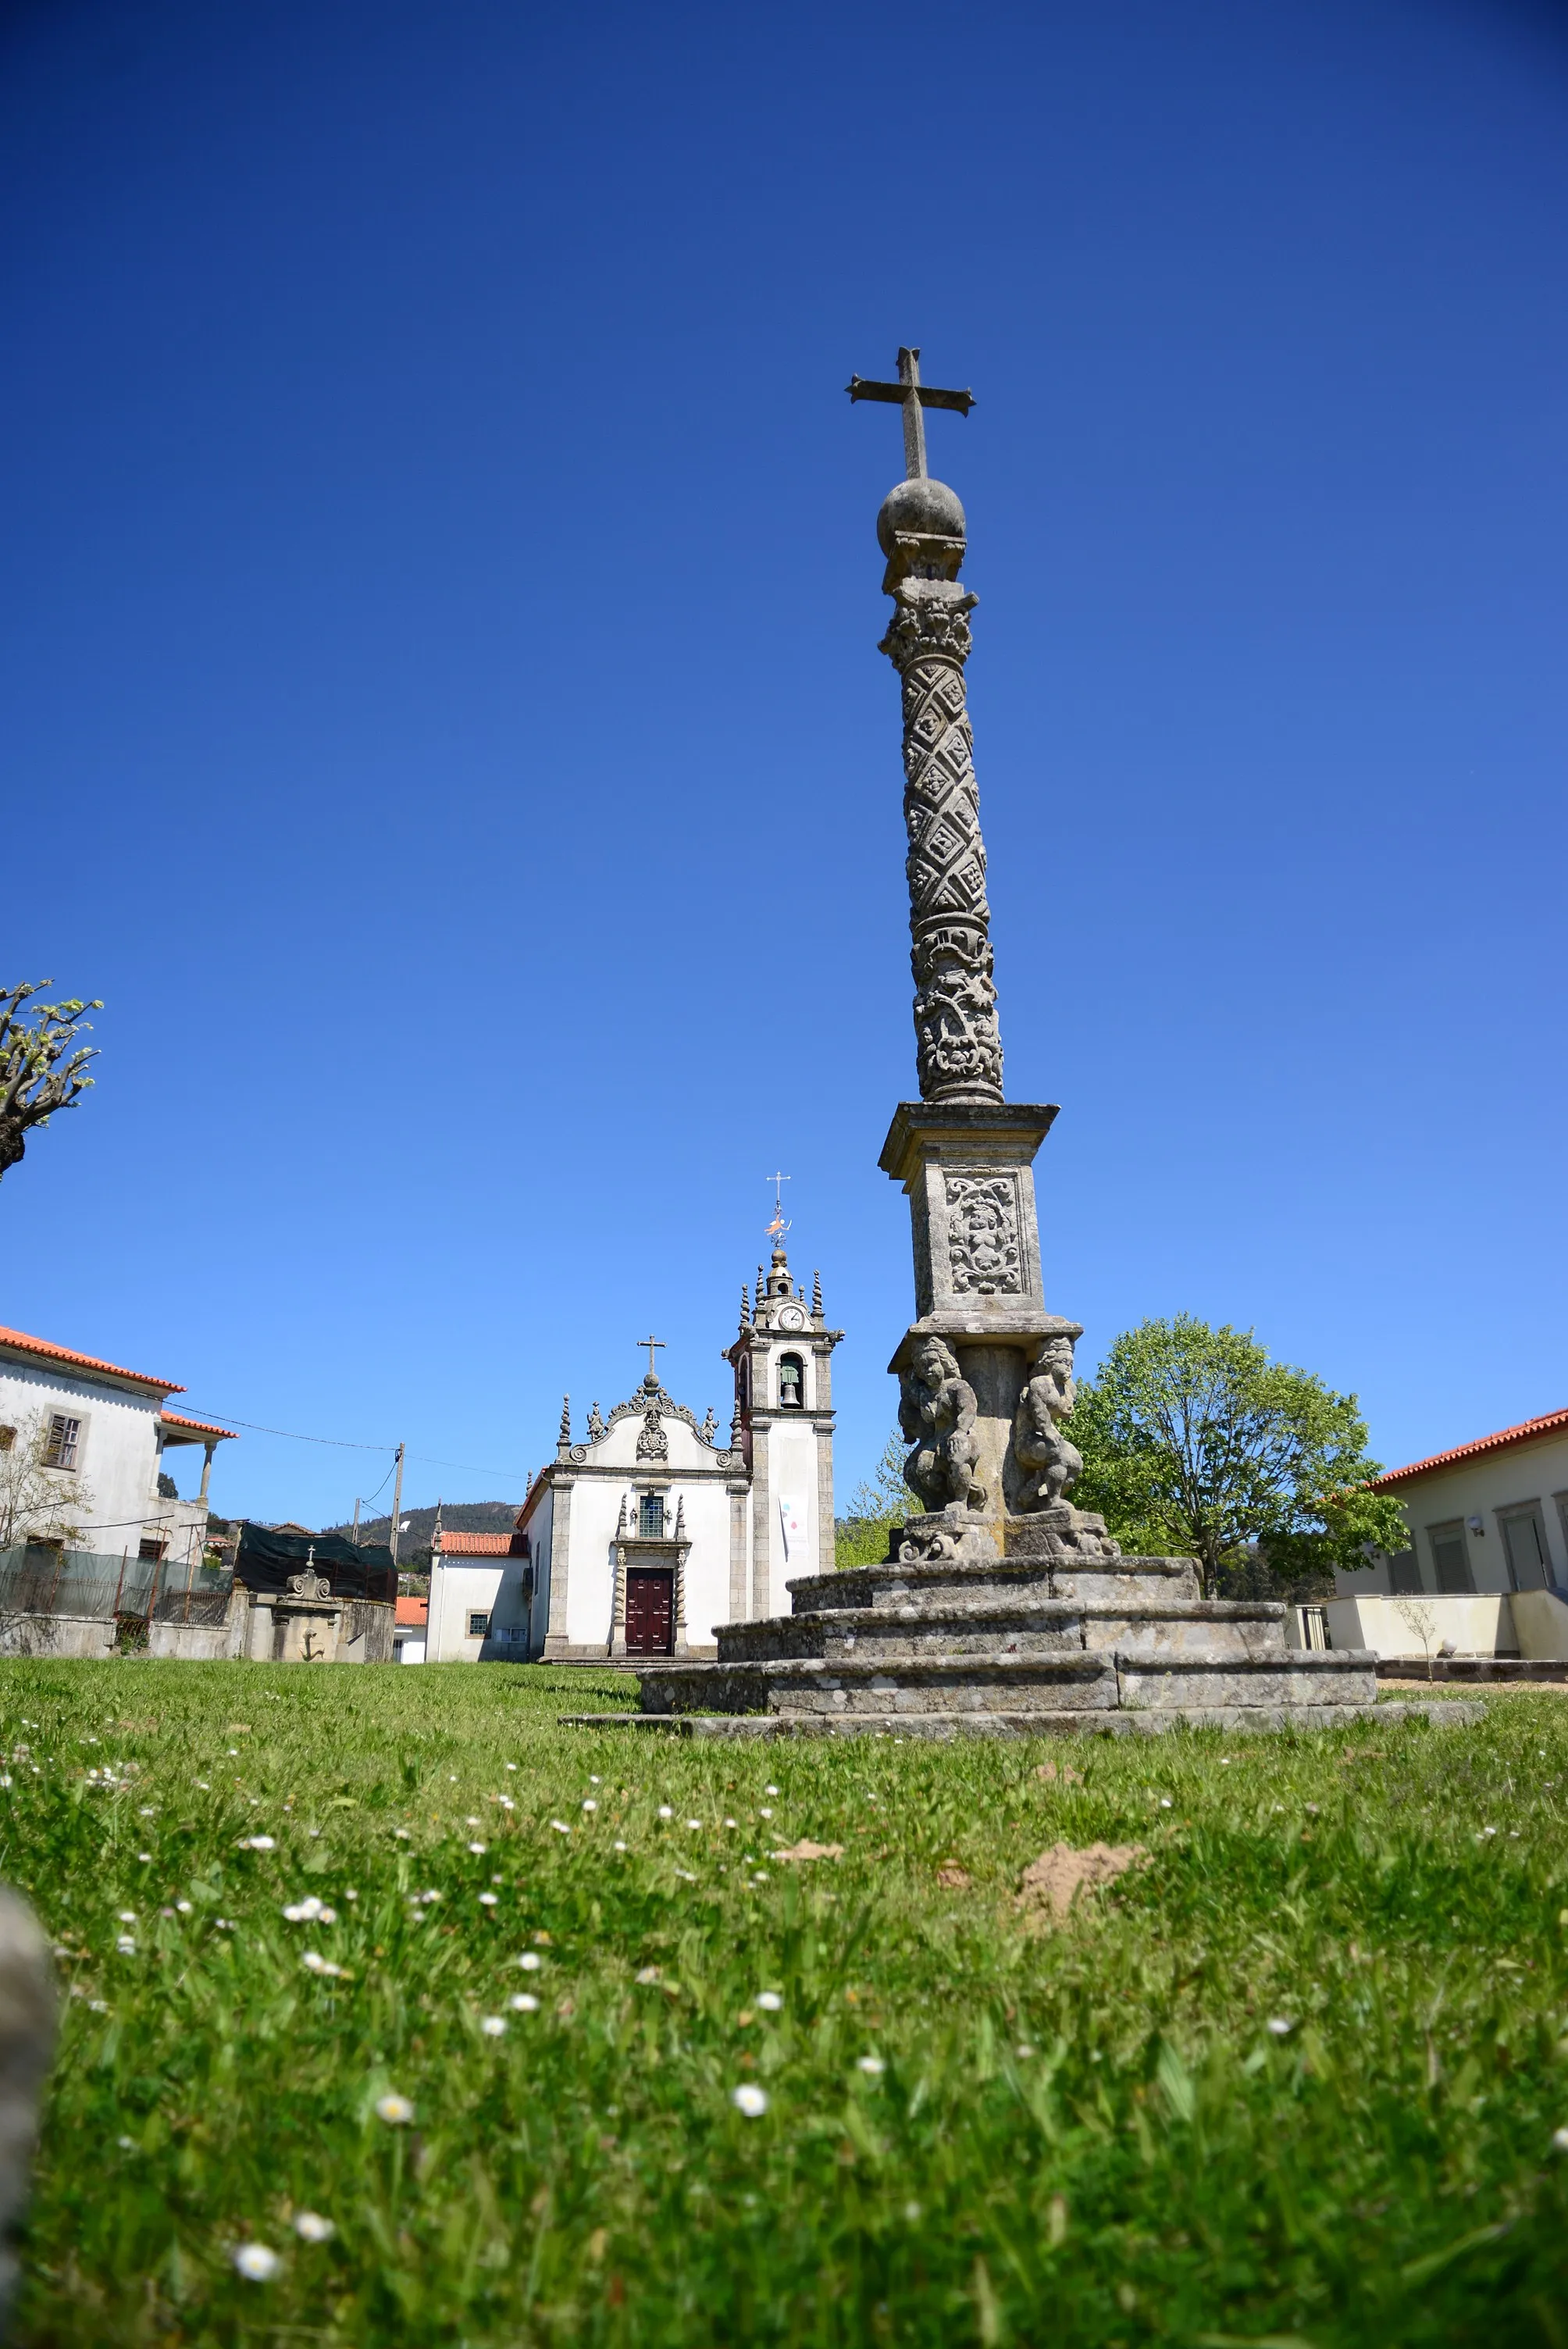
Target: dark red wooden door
(650, 1611)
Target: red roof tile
(1528, 1431)
(414, 1610)
(201, 1427)
(476, 1545)
(19, 1340)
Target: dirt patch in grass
(1052, 1883)
(807, 1849)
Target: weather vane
(777, 1227)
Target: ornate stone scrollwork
(957, 1039)
(578, 1454)
(983, 1247)
(309, 1585)
(936, 1414)
(1039, 1446)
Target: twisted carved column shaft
(958, 1042)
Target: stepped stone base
(1442, 1711)
(1015, 1626)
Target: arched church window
(791, 1382)
(651, 1517)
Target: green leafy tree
(40, 1072)
(1196, 1444)
(860, 1536)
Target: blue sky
(441, 713)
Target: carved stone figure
(958, 1042)
(595, 1426)
(710, 1427)
(936, 1414)
(653, 1444)
(1038, 1443)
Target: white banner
(792, 1518)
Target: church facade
(650, 1531)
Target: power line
(342, 1444)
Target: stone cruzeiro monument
(1001, 1608)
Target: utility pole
(357, 1521)
(397, 1504)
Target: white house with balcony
(102, 1437)
(1485, 1572)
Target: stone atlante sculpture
(1039, 1446)
(936, 1414)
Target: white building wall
(542, 1542)
(1482, 1487)
(118, 1459)
(456, 1592)
(595, 1508)
(791, 1502)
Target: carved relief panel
(983, 1249)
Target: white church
(647, 1534)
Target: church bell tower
(783, 1426)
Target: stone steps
(1210, 1629)
(1072, 1681)
(997, 1580)
(1450, 1712)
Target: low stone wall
(1532, 1624)
(353, 1632)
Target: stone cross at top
(650, 1343)
(914, 398)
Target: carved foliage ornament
(983, 1247)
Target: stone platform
(1054, 1631)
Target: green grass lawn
(1296, 2079)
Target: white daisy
(256, 2262)
(395, 2110)
(751, 2100)
(493, 2026)
(311, 2227)
(522, 2002)
(770, 2000)
(531, 1961)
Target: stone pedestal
(969, 1171)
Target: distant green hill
(457, 1516)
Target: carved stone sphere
(921, 510)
